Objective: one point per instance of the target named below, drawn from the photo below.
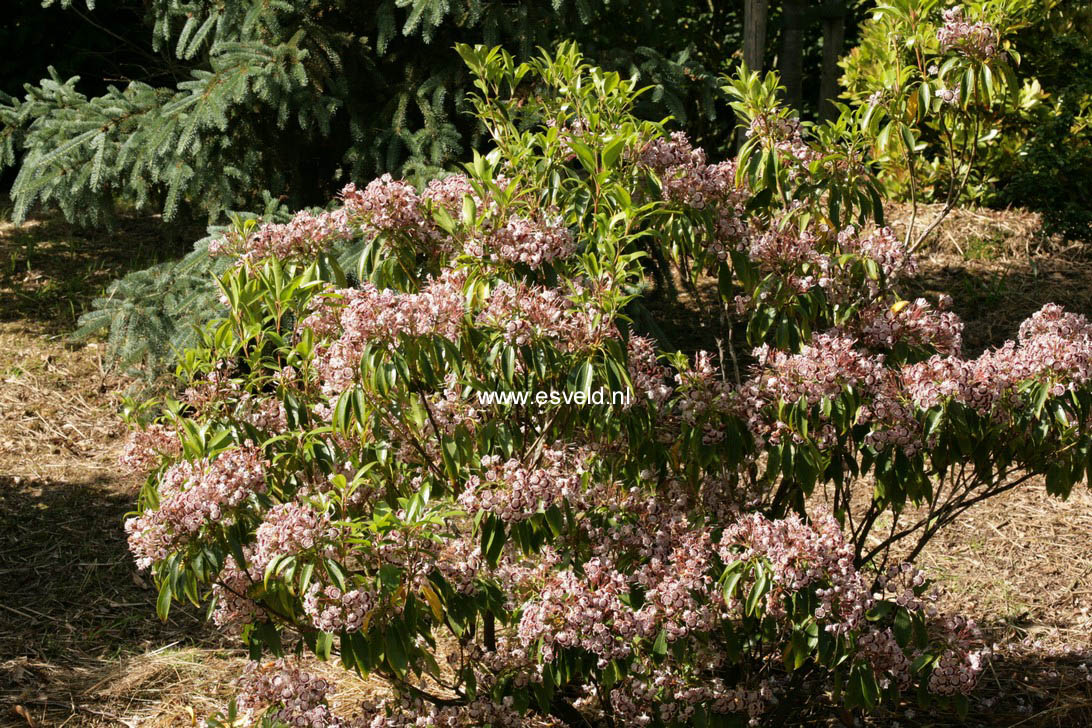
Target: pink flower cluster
(390, 206)
(893, 421)
(786, 136)
(331, 610)
(451, 408)
(1053, 320)
(369, 316)
(880, 649)
(664, 154)
(526, 313)
(1054, 347)
(676, 697)
(265, 413)
(882, 246)
(648, 376)
(780, 248)
(589, 611)
(675, 575)
(937, 379)
(809, 258)
(903, 582)
(234, 608)
(788, 251)
(409, 712)
(449, 192)
(288, 694)
(673, 565)
(976, 40)
(573, 611)
(289, 529)
(145, 449)
(291, 696)
(687, 179)
(801, 555)
(513, 492)
(385, 205)
(303, 238)
(532, 242)
(957, 670)
(822, 369)
(916, 324)
(955, 673)
(460, 561)
(703, 396)
(192, 495)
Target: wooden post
(754, 33)
(834, 30)
(791, 62)
(754, 43)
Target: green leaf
(585, 154)
(470, 212)
(659, 647)
(880, 611)
(1042, 392)
(907, 136)
(731, 580)
(395, 652)
(324, 642)
(613, 151)
(863, 689)
(163, 603)
(902, 628)
(761, 585)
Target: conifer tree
(275, 104)
(295, 98)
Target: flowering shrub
(331, 481)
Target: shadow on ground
(68, 578)
(1033, 689)
(51, 270)
(74, 607)
(994, 297)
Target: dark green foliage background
(1053, 173)
(194, 108)
(201, 107)
(197, 108)
(75, 43)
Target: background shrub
(1052, 170)
(252, 105)
(1033, 148)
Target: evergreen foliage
(153, 313)
(259, 102)
(297, 98)
(1052, 169)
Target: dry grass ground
(79, 643)
(76, 645)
